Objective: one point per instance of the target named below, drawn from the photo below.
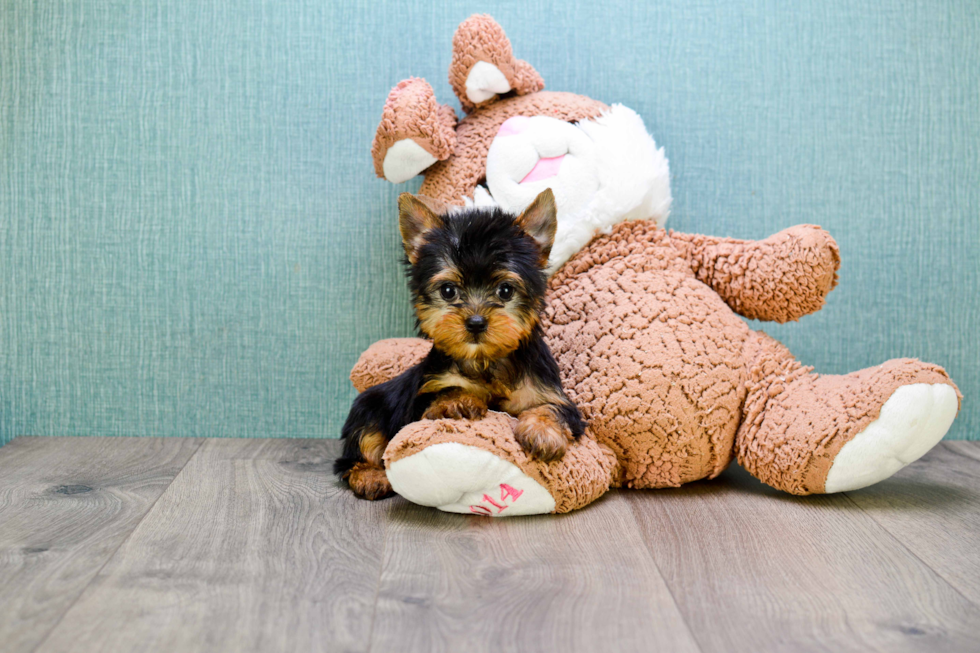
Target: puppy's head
(477, 275)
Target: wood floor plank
(66, 504)
(577, 582)
(933, 508)
(254, 547)
(754, 569)
(970, 449)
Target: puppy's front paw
(456, 406)
(369, 481)
(541, 435)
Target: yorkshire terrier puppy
(478, 284)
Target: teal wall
(193, 241)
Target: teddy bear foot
(454, 477)
(911, 422)
(478, 468)
(807, 433)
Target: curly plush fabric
(411, 111)
(457, 177)
(386, 359)
(778, 279)
(650, 355)
(579, 478)
(480, 38)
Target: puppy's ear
(415, 218)
(540, 221)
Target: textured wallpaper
(192, 240)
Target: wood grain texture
(66, 505)
(252, 545)
(255, 547)
(754, 569)
(967, 449)
(933, 508)
(577, 582)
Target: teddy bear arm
(386, 359)
(778, 279)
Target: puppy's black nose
(476, 324)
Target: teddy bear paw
(911, 422)
(460, 478)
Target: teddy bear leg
(807, 433)
(477, 467)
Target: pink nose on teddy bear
(513, 126)
(544, 168)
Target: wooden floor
(111, 544)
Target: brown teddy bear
(643, 322)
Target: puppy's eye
(447, 291)
(505, 291)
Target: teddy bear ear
(484, 67)
(415, 132)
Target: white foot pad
(911, 422)
(459, 478)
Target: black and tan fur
(468, 270)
